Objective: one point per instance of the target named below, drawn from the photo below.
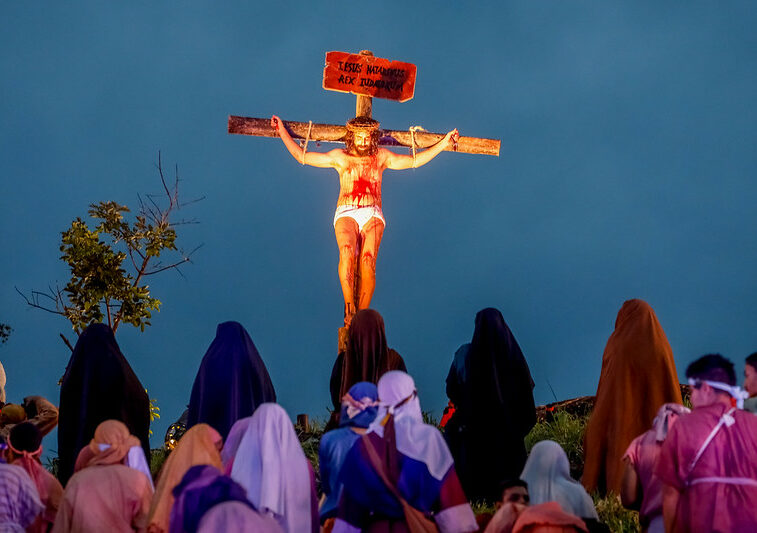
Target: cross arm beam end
(261, 127)
(424, 139)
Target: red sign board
(369, 76)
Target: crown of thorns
(362, 124)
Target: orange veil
(638, 376)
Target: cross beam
(261, 127)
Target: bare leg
(347, 234)
(371, 239)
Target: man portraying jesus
(358, 221)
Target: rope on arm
(307, 139)
(413, 129)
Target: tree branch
(185, 222)
(37, 294)
(190, 202)
(35, 303)
(163, 179)
(158, 210)
(107, 309)
(131, 256)
(140, 273)
(167, 267)
(147, 210)
(66, 341)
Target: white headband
(734, 390)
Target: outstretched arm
(401, 161)
(316, 159)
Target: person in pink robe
(24, 449)
(110, 490)
(641, 489)
(708, 462)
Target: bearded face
(362, 142)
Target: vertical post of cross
(363, 108)
(364, 104)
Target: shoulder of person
(330, 436)
(745, 417)
(462, 351)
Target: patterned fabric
(19, 501)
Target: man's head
(23, 437)
(714, 368)
(12, 413)
(750, 375)
(515, 491)
(362, 136)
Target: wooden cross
(365, 76)
(261, 127)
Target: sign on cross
(366, 76)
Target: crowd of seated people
(241, 467)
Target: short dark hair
(25, 437)
(752, 360)
(712, 367)
(510, 483)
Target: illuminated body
(360, 166)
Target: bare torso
(360, 179)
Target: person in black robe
(490, 385)
(367, 358)
(232, 381)
(99, 385)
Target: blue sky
(627, 170)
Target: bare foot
(349, 312)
